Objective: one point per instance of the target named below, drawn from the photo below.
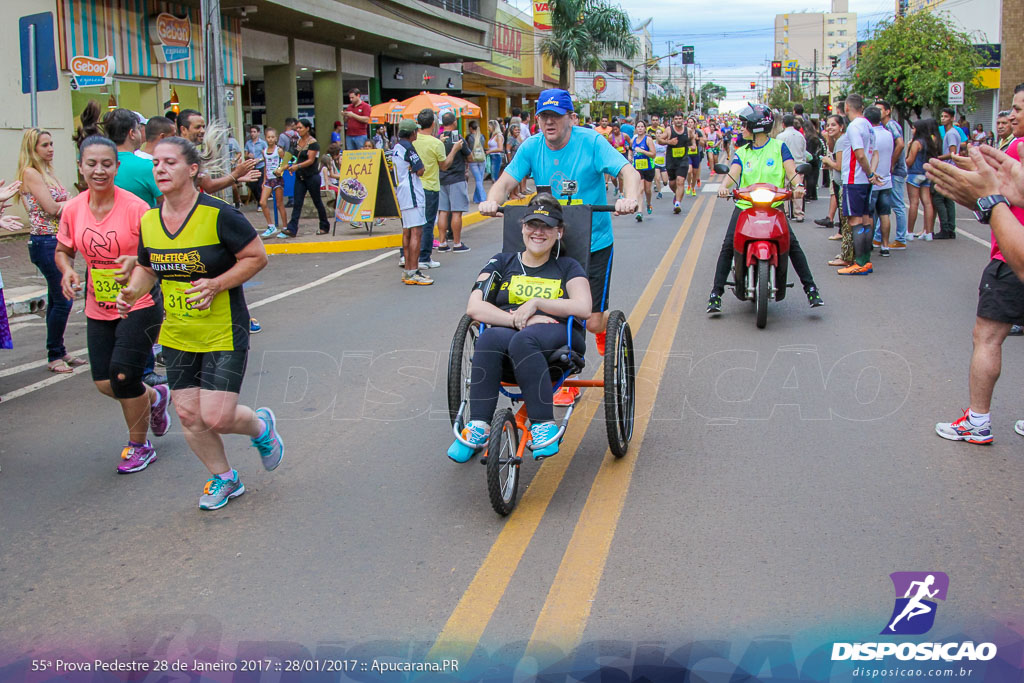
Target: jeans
(899, 210)
(302, 186)
(528, 349)
(41, 250)
(430, 217)
(725, 258)
(945, 209)
(355, 141)
(495, 160)
(477, 169)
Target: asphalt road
(781, 476)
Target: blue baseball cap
(556, 100)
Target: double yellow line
(565, 612)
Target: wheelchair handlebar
(596, 208)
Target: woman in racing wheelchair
(536, 293)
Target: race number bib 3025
(176, 301)
(104, 286)
(522, 288)
(643, 164)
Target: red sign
(600, 84)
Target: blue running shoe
(218, 492)
(476, 433)
(269, 444)
(254, 326)
(539, 433)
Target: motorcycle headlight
(762, 196)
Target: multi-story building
(280, 58)
(805, 42)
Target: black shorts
(647, 174)
(677, 169)
(1001, 294)
(600, 276)
(213, 370)
(126, 341)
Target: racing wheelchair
(510, 437)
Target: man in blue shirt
(945, 208)
(562, 152)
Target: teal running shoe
(539, 433)
(476, 433)
(269, 444)
(218, 492)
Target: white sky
(731, 39)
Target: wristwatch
(985, 206)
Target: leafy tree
(665, 106)
(711, 94)
(581, 30)
(910, 62)
(783, 98)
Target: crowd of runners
(165, 261)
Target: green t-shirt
(135, 174)
(762, 165)
(431, 151)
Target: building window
(831, 33)
(468, 8)
(842, 20)
(831, 21)
(842, 33)
(831, 46)
(841, 44)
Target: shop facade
(157, 54)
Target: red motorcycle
(761, 245)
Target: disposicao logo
(914, 614)
(919, 591)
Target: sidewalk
(345, 236)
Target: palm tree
(581, 30)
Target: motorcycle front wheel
(761, 294)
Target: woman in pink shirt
(103, 224)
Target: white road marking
(324, 279)
(17, 393)
(710, 187)
(42, 384)
(37, 364)
(984, 243)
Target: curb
(366, 243)
(359, 244)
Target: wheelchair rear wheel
(460, 364)
(503, 462)
(619, 383)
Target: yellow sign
(362, 177)
(512, 50)
(600, 84)
(541, 15)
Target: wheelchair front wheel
(503, 462)
(460, 364)
(619, 383)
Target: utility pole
(213, 67)
(669, 64)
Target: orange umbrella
(386, 112)
(467, 109)
(440, 104)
